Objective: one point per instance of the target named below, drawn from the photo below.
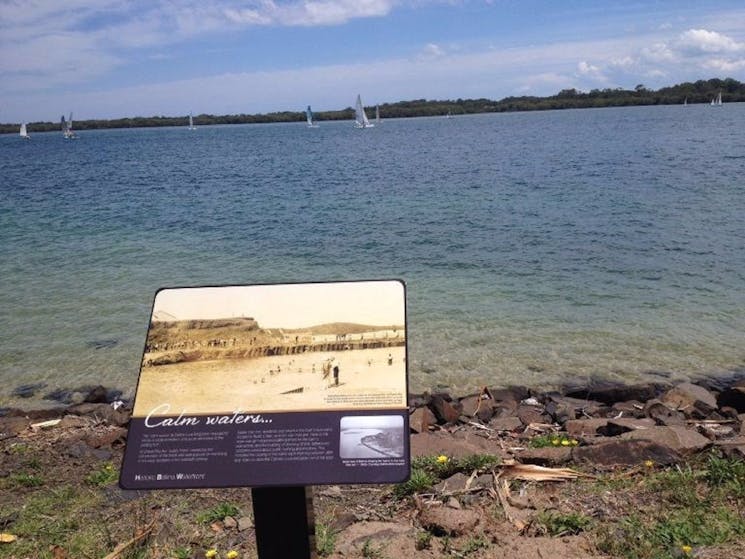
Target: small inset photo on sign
(275, 348)
(371, 436)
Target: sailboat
(685, 101)
(360, 118)
(191, 123)
(717, 101)
(67, 128)
(23, 132)
(377, 114)
(309, 118)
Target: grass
(325, 539)
(102, 476)
(371, 551)
(699, 504)
(26, 480)
(552, 441)
(426, 471)
(51, 517)
(562, 524)
(219, 513)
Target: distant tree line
(701, 91)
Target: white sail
(717, 101)
(23, 132)
(309, 118)
(360, 118)
(191, 123)
(67, 128)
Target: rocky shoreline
(601, 425)
(490, 471)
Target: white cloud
(658, 52)
(703, 41)
(722, 65)
(432, 50)
(307, 12)
(587, 69)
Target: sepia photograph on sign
(275, 348)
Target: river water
(537, 248)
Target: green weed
(26, 480)
(325, 539)
(419, 481)
(558, 524)
(104, 475)
(219, 512)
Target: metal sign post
(283, 517)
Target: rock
(456, 445)
(453, 503)
(245, 523)
(104, 412)
(610, 393)
(662, 414)
(332, 491)
(81, 450)
(632, 408)
(74, 421)
(28, 390)
(230, 523)
(13, 426)
(456, 482)
(678, 439)
(549, 456)
(419, 400)
(530, 414)
(369, 533)
(421, 419)
(97, 395)
(510, 423)
(112, 437)
(578, 428)
(478, 406)
(625, 453)
(448, 522)
(733, 397)
(622, 425)
(444, 410)
(691, 399)
(578, 407)
(716, 431)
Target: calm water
(537, 247)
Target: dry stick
(134, 541)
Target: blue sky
(117, 58)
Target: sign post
(284, 522)
(274, 387)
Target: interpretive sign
(272, 385)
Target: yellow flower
(684, 548)
(232, 554)
(442, 459)
(574, 442)
(555, 442)
(650, 464)
(564, 442)
(210, 553)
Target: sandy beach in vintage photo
(207, 364)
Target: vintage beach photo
(371, 436)
(275, 348)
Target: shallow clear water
(537, 247)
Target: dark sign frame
(272, 385)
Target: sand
(275, 384)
